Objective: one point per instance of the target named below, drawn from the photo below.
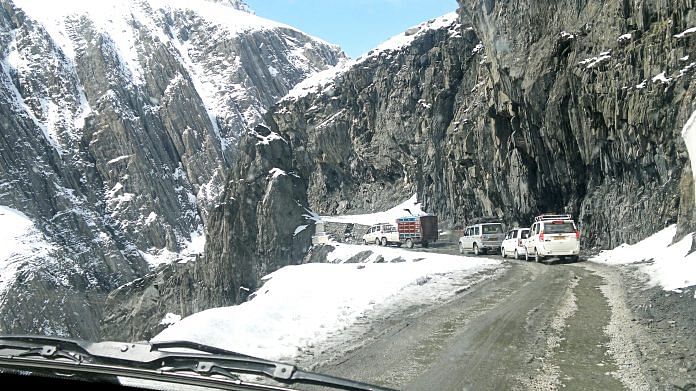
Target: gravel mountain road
(532, 326)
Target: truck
(417, 230)
(409, 230)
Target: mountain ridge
(119, 126)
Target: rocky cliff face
(501, 109)
(262, 224)
(118, 124)
(511, 110)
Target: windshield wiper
(176, 362)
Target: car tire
(461, 248)
(538, 258)
(526, 256)
(384, 242)
(502, 252)
(517, 255)
(409, 243)
(476, 250)
(364, 242)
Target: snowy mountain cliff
(119, 122)
(124, 141)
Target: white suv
(382, 234)
(553, 236)
(481, 238)
(513, 244)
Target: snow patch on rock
(689, 135)
(19, 241)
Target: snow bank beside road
(668, 265)
(298, 307)
(389, 216)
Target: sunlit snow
(668, 265)
(19, 241)
(300, 306)
(407, 208)
(688, 133)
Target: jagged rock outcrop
(118, 124)
(516, 110)
(262, 224)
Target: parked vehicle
(482, 238)
(553, 236)
(514, 242)
(382, 234)
(410, 230)
(417, 230)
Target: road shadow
(564, 261)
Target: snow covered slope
(298, 307)
(408, 207)
(671, 266)
(120, 121)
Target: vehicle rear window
(492, 229)
(564, 227)
(524, 234)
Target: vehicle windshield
(492, 228)
(339, 186)
(563, 227)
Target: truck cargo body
(417, 229)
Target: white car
(382, 234)
(513, 244)
(553, 236)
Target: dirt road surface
(533, 326)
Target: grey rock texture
(134, 311)
(118, 151)
(261, 224)
(496, 112)
(503, 114)
(236, 4)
